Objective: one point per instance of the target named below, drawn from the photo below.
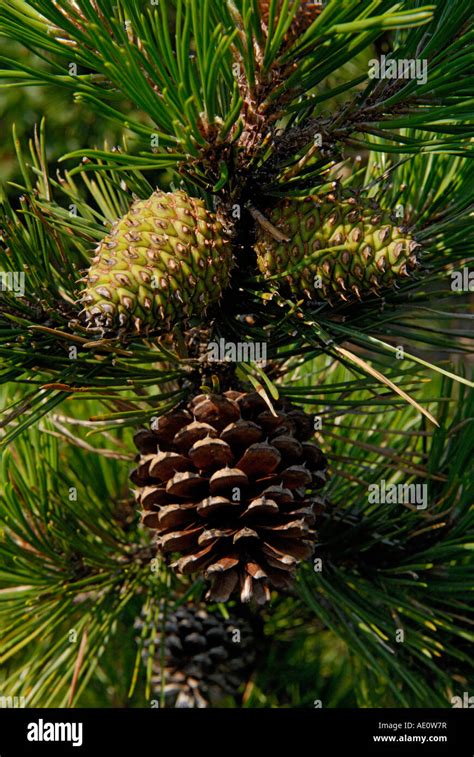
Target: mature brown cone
(304, 17)
(231, 487)
(205, 656)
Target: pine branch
(386, 571)
(85, 568)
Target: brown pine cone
(231, 487)
(205, 656)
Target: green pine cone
(374, 251)
(166, 260)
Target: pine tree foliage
(76, 562)
(222, 100)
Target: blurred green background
(69, 125)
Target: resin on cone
(373, 251)
(205, 656)
(231, 486)
(166, 260)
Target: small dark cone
(230, 488)
(205, 657)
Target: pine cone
(376, 253)
(166, 260)
(231, 487)
(205, 656)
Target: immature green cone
(166, 260)
(374, 252)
